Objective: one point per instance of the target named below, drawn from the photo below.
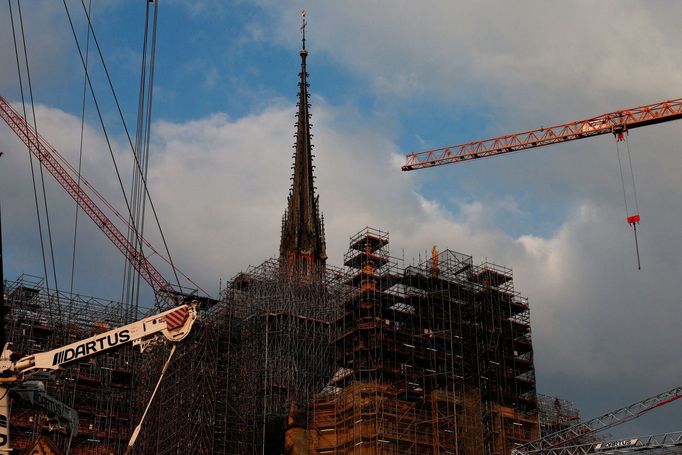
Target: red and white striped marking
(177, 318)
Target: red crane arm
(616, 122)
(83, 194)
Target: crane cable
(137, 163)
(42, 174)
(97, 108)
(131, 278)
(30, 156)
(633, 219)
(142, 140)
(101, 117)
(80, 153)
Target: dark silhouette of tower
(302, 247)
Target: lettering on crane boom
(90, 347)
(622, 444)
(4, 437)
(52, 405)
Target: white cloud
(536, 60)
(220, 189)
(47, 41)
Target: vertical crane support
(84, 196)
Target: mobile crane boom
(568, 436)
(657, 443)
(34, 393)
(172, 325)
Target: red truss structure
(617, 123)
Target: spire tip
(303, 25)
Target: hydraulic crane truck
(169, 326)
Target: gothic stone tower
(302, 248)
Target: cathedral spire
(302, 245)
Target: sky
(386, 78)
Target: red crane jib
(52, 161)
(618, 123)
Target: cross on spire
(303, 24)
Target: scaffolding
(39, 319)
(431, 358)
(556, 414)
(277, 334)
(377, 357)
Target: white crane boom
(654, 443)
(172, 325)
(572, 434)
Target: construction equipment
(171, 325)
(34, 393)
(617, 123)
(572, 435)
(85, 196)
(657, 443)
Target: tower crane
(85, 195)
(169, 326)
(617, 123)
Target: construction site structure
(617, 123)
(584, 432)
(659, 444)
(431, 358)
(99, 388)
(92, 368)
(556, 414)
(299, 356)
(376, 358)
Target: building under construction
(556, 414)
(298, 356)
(379, 358)
(99, 388)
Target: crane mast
(617, 123)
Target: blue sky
(389, 78)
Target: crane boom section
(173, 324)
(64, 173)
(616, 122)
(656, 442)
(603, 422)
